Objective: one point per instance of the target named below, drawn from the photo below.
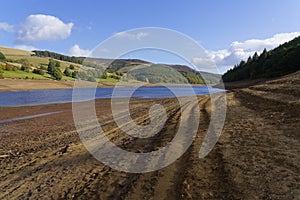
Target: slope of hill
(98, 69)
(16, 56)
(280, 61)
(115, 66)
(15, 52)
(35, 67)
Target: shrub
(9, 67)
(51, 66)
(91, 79)
(43, 67)
(38, 71)
(82, 75)
(119, 73)
(104, 75)
(25, 65)
(72, 67)
(74, 74)
(2, 57)
(25, 68)
(68, 72)
(1, 73)
(57, 64)
(57, 74)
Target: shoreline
(17, 85)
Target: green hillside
(280, 61)
(116, 68)
(158, 74)
(20, 64)
(161, 73)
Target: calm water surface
(36, 97)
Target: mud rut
(257, 157)
(47, 173)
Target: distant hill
(25, 64)
(280, 61)
(126, 65)
(157, 72)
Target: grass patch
(22, 75)
(38, 61)
(67, 78)
(108, 79)
(14, 52)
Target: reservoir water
(37, 97)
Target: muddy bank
(257, 156)
(9, 85)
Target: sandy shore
(257, 156)
(9, 85)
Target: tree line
(280, 61)
(58, 56)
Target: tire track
(167, 182)
(206, 177)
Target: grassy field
(36, 62)
(22, 75)
(67, 78)
(29, 75)
(15, 55)
(107, 80)
(14, 52)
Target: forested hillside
(280, 61)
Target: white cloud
(238, 51)
(204, 64)
(131, 36)
(75, 50)
(43, 27)
(25, 47)
(6, 27)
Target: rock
(4, 156)
(38, 188)
(64, 149)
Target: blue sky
(229, 30)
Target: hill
(280, 61)
(116, 68)
(15, 52)
(34, 67)
(97, 69)
(16, 56)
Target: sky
(228, 30)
